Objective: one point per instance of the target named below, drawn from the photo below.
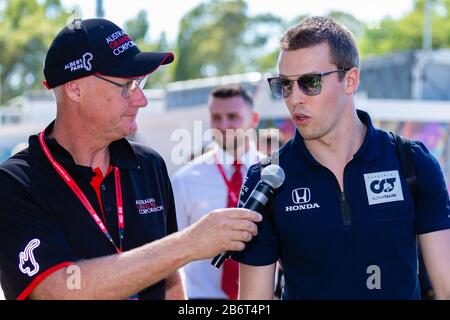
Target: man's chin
(130, 130)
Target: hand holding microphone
(272, 177)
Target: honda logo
(301, 195)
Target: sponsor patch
(383, 187)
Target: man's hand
(221, 230)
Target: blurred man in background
(213, 180)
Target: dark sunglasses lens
(275, 87)
(310, 84)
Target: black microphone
(272, 177)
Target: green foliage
(356, 26)
(26, 31)
(406, 33)
(215, 38)
(219, 37)
(137, 27)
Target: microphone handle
(256, 202)
(220, 259)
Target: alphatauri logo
(27, 262)
(383, 187)
(301, 197)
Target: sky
(164, 15)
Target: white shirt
(199, 188)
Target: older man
(214, 180)
(85, 213)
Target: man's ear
(73, 91)
(351, 80)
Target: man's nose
(139, 99)
(223, 124)
(297, 96)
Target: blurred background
(404, 46)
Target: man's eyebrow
(297, 75)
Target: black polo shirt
(45, 227)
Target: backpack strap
(405, 157)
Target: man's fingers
(244, 225)
(236, 246)
(243, 236)
(241, 213)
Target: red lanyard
(231, 194)
(76, 189)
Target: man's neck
(339, 145)
(85, 149)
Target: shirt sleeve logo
(27, 262)
(383, 187)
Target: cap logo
(83, 63)
(120, 42)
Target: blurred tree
(138, 27)
(27, 28)
(406, 33)
(218, 37)
(356, 26)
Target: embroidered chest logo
(27, 262)
(148, 205)
(301, 197)
(383, 187)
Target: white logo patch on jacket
(383, 187)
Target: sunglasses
(310, 84)
(129, 87)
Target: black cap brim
(139, 65)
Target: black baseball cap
(97, 46)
